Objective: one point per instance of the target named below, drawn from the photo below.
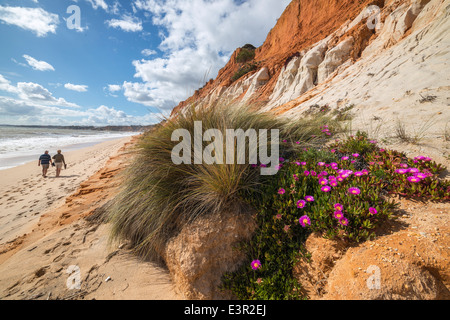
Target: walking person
(59, 162)
(45, 160)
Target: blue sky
(122, 62)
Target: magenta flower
(354, 190)
(281, 159)
(256, 264)
(365, 172)
(303, 163)
(333, 183)
(356, 155)
(281, 191)
(306, 173)
(295, 177)
(304, 220)
(343, 221)
(309, 198)
(313, 173)
(297, 163)
(373, 210)
(358, 173)
(301, 204)
(402, 171)
(323, 182)
(339, 207)
(413, 179)
(321, 164)
(344, 158)
(326, 188)
(333, 151)
(338, 215)
(421, 175)
(413, 170)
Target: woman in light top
(58, 159)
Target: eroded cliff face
(302, 24)
(377, 55)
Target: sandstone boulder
(204, 250)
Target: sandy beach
(48, 244)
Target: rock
(313, 272)
(204, 250)
(334, 58)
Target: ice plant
(413, 179)
(339, 207)
(338, 215)
(301, 204)
(281, 191)
(326, 188)
(343, 221)
(323, 182)
(256, 264)
(344, 158)
(304, 220)
(354, 190)
(309, 198)
(373, 210)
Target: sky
(112, 62)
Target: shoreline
(25, 195)
(25, 157)
(36, 265)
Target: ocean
(19, 145)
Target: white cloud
(38, 65)
(36, 20)
(127, 23)
(114, 87)
(98, 4)
(148, 52)
(34, 92)
(198, 38)
(76, 87)
(5, 85)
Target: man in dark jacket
(45, 160)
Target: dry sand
(44, 233)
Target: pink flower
(256, 264)
(356, 155)
(421, 175)
(333, 183)
(326, 188)
(281, 191)
(343, 221)
(286, 228)
(339, 207)
(333, 151)
(358, 173)
(323, 182)
(321, 164)
(278, 216)
(354, 190)
(373, 210)
(413, 179)
(295, 177)
(304, 220)
(313, 173)
(301, 204)
(306, 173)
(338, 215)
(344, 158)
(309, 198)
(402, 171)
(297, 163)
(303, 163)
(413, 170)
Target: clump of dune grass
(158, 197)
